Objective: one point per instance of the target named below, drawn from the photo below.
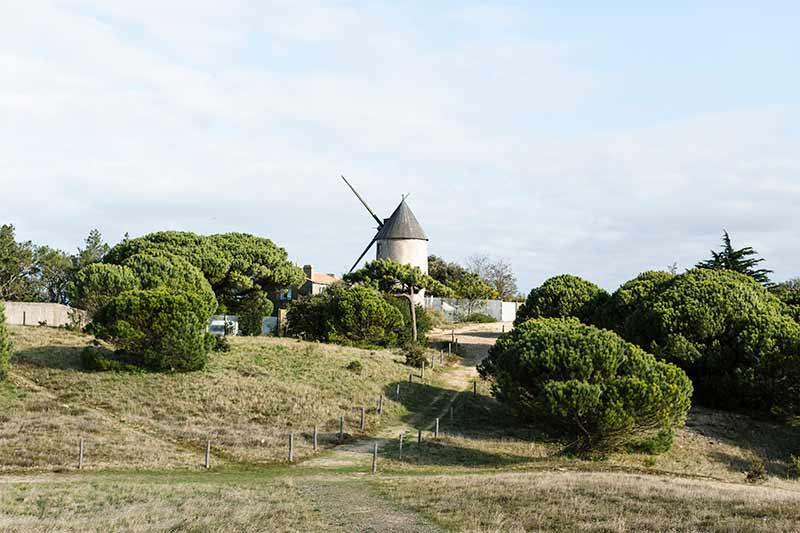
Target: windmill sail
(371, 212)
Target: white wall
(455, 309)
(32, 313)
(405, 251)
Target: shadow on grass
(772, 443)
(474, 416)
(442, 452)
(55, 357)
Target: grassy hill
(146, 434)
(246, 401)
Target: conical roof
(402, 225)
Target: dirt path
(347, 501)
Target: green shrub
(731, 336)
(629, 297)
(156, 329)
(220, 344)
(414, 353)
(563, 296)
(355, 366)
(791, 301)
(97, 284)
(102, 360)
(352, 316)
(479, 318)
(757, 473)
(5, 345)
(794, 466)
(586, 383)
(656, 444)
(172, 272)
(424, 320)
(252, 310)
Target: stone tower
(402, 239)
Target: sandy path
(351, 504)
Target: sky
(565, 137)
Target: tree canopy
(394, 278)
(743, 261)
(563, 296)
(586, 383)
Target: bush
(220, 344)
(424, 319)
(5, 345)
(563, 296)
(355, 366)
(97, 284)
(586, 383)
(629, 297)
(414, 353)
(479, 318)
(730, 335)
(102, 360)
(252, 310)
(357, 316)
(156, 329)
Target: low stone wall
(36, 313)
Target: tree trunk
(413, 314)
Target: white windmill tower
(399, 238)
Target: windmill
(399, 237)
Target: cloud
(209, 117)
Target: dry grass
(154, 503)
(577, 501)
(247, 401)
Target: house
(316, 282)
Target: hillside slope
(246, 401)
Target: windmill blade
(371, 212)
(360, 257)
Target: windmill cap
(402, 225)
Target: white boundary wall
(34, 313)
(455, 309)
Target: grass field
(246, 401)
(145, 437)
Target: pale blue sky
(600, 141)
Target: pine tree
(742, 261)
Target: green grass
(246, 401)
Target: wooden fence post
(316, 438)
(474, 388)
(80, 453)
(341, 428)
(423, 370)
(410, 377)
(504, 328)
(375, 458)
(452, 335)
(380, 404)
(291, 446)
(397, 391)
(449, 348)
(208, 454)
(24, 318)
(363, 420)
(402, 434)
(436, 429)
